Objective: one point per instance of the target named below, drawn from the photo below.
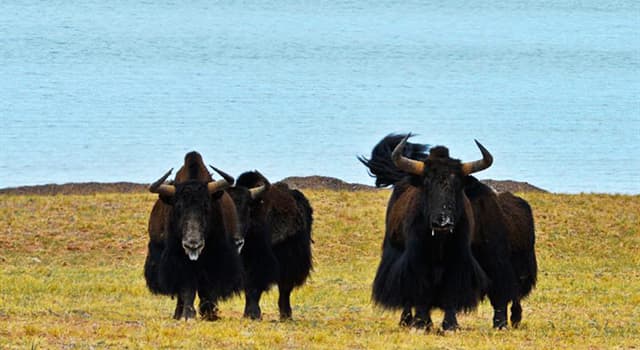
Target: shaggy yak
(276, 222)
(192, 228)
(442, 224)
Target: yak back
(380, 164)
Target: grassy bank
(71, 277)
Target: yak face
(247, 195)
(442, 190)
(243, 201)
(192, 203)
(191, 212)
(441, 181)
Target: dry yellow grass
(71, 277)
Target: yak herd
(450, 240)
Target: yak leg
(208, 306)
(516, 313)
(188, 295)
(499, 314)
(252, 304)
(179, 307)
(406, 317)
(450, 321)
(422, 319)
(284, 300)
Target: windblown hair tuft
(380, 164)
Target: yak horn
(406, 164)
(478, 165)
(215, 186)
(161, 188)
(256, 192)
(224, 175)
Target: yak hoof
(501, 324)
(419, 323)
(285, 316)
(188, 313)
(210, 315)
(208, 310)
(450, 326)
(254, 314)
(406, 320)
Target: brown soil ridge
(301, 182)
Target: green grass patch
(71, 277)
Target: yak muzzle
(442, 223)
(193, 248)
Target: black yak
(501, 225)
(426, 259)
(191, 248)
(276, 222)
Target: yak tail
(380, 164)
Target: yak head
(247, 194)
(441, 181)
(192, 209)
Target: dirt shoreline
(301, 182)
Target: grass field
(71, 277)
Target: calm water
(120, 90)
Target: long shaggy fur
(217, 272)
(490, 244)
(424, 269)
(294, 254)
(503, 243)
(260, 263)
(522, 239)
(277, 237)
(151, 267)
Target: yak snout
(442, 222)
(193, 248)
(193, 237)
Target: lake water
(121, 90)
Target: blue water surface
(121, 90)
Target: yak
(192, 228)
(426, 260)
(500, 233)
(276, 222)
